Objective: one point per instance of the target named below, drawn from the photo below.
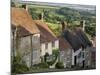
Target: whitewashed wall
(49, 48)
(56, 44)
(79, 59)
(43, 51)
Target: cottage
(25, 37)
(48, 39)
(79, 42)
(65, 52)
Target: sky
(86, 2)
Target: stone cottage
(65, 52)
(25, 37)
(79, 42)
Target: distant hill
(88, 8)
(54, 13)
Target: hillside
(54, 13)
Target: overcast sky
(87, 2)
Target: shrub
(50, 63)
(40, 65)
(18, 67)
(59, 65)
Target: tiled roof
(45, 33)
(21, 18)
(64, 44)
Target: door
(75, 60)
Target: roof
(83, 37)
(20, 17)
(45, 33)
(77, 38)
(21, 32)
(63, 44)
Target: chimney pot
(41, 16)
(25, 7)
(83, 24)
(64, 25)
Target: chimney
(83, 24)
(25, 6)
(64, 25)
(41, 16)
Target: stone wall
(90, 57)
(29, 49)
(66, 57)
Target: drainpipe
(25, 6)
(31, 51)
(15, 42)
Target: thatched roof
(21, 18)
(46, 35)
(77, 38)
(83, 37)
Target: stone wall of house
(36, 49)
(27, 59)
(66, 57)
(29, 48)
(24, 45)
(88, 58)
(12, 44)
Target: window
(35, 39)
(53, 44)
(79, 55)
(46, 46)
(83, 54)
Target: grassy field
(43, 6)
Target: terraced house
(80, 44)
(65, 52)
(31, 39)
(48, 39)
(25, 37)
